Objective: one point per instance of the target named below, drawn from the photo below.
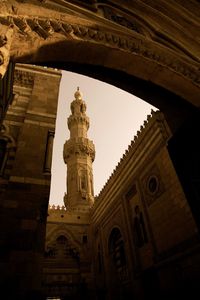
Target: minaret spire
(79, 153)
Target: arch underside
(142, 49)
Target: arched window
(116, 248)
(139, 230)
(62, 240)
(61, 247)
(83, 181)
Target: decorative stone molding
(153, 186)
(3, 40)
(84, 120)
(121, 18)
(1, 58)
(132, 21)
(5, 45)
(79, 146)
(78, 207)
(23, 78)
(44, 28)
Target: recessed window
(152, 184)
(84, 239)
(116, 249)
(139, 230)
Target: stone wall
(67, 265)
(25, 184)
(144, 202)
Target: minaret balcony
(79, 202)
(76, 120)
(79, 146)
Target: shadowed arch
(59, 231)
(69, 37)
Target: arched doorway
(62, 275)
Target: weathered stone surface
(24, 183)
(169, 52)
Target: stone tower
(79, 153)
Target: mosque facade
(136, 238)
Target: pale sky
(115, 116)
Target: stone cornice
(29, 180)
(38, 69)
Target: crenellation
(154, 116)
(145, 123)
(56, 208)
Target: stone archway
(61, 272)
(147, 42)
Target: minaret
(79, 153)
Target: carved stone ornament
(84, 120)
(23, 78)
(72, 148)
(1, 58)
(153, 185)
(5, 44)
(38, 29)
(3, 40)
(45, 28)
(120, 18)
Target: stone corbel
(5, 44)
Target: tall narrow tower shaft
(79, 153)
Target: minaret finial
(78, 94)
